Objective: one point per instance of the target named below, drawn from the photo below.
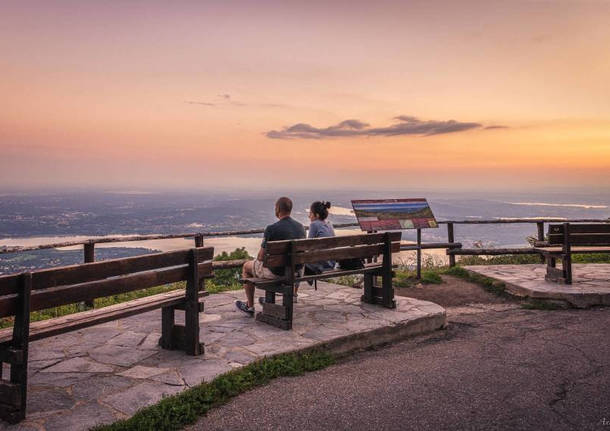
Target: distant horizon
(553, 194)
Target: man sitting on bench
(284, 229)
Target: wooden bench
(290, 254)
(23, 293)
(567, 239)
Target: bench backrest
(589, 234)
(278, 253)
(71, 284)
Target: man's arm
(261, 254)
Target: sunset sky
(272, 94)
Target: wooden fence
(451, 244)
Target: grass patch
(494, 286)
(406, 278)
(348, 280)
(520, 259)
(175, 412)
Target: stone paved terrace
(590, 285)
(108, 372)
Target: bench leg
(387, 291)
(274, 314)
(269, 297)
(192, 346)
(554, 274)
(566, 262)
(368, 296)
(167, 328)
(13, 407)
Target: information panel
(393, 214)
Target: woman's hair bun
(326, 204)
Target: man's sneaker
(242, 306)
(261, 299)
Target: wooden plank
(75, 274)
(581, 228)
(368, 268)
(582, 239)
(62, 295)
(281, 247)
(430, 245)
(71, 322)
(275, 310)
(581, 249)
(362, 251)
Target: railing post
(450, 240)
(419, 254)
(540, 226)
(199, 240)
(89, 256)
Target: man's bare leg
(248, 271)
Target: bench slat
(264, 282)
(582, 239)
(355, 252)
(71, 322)
(81, 273)
(581, 228)
(281, 247)
(363, 251)
(341, 272)
(62, 295)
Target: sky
(308, 94)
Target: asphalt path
(492, 370)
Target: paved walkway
(497, 367)
(108, 372)
(590, 285)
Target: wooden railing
(451, 244)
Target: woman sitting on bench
(319, 228)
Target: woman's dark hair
(320, 209)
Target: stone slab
(590, 285)
(107, 372)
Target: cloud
(406, 125)
(496, 127)
(195, 102)
(225, 99)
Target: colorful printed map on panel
(393, 214)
